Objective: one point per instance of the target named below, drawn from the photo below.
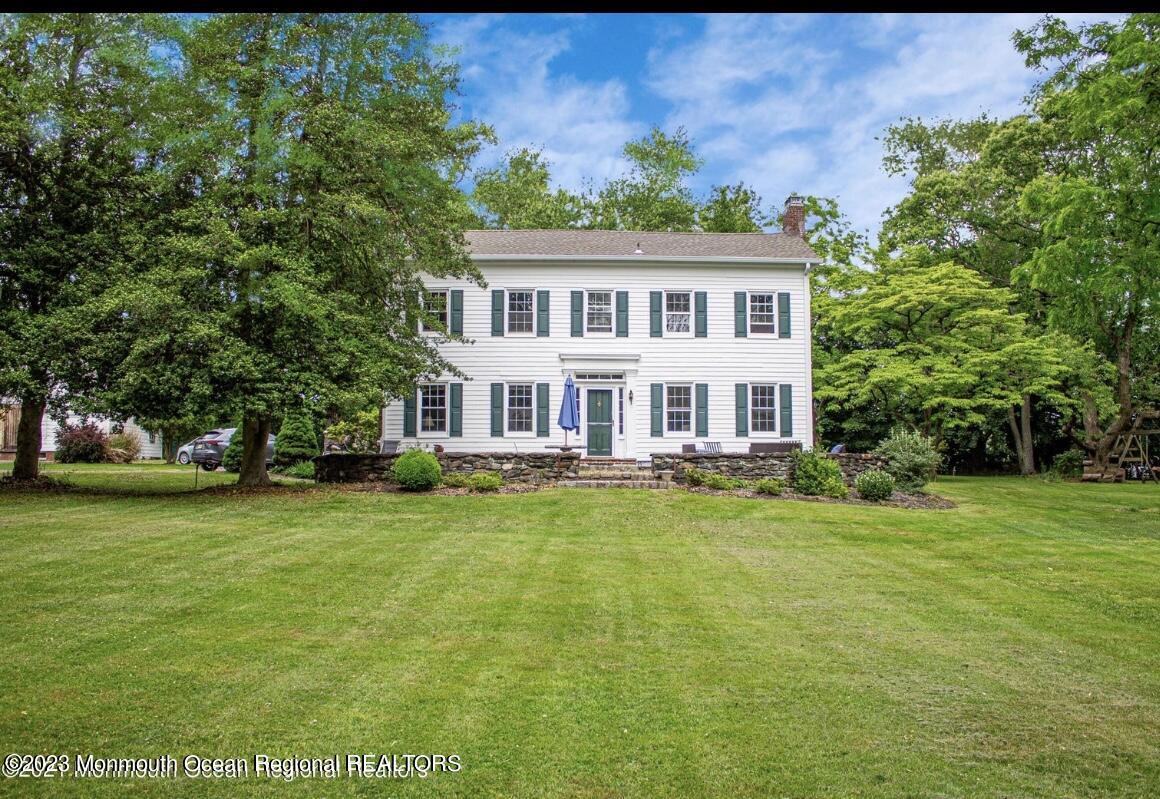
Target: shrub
(816, 476)
(416, 470)
(456, 480)
(875, 485)
(296, 440)
(124, 447)
(82, 443)
(722, 482)
(485, 481)
(1069, 464)
(911, 459)
(232, 457)
(694, 476)
(769, 485)
(303, 470)
(358, 434)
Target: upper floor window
(678, 309)
(433, 408)
(519, 407)
(679, 408)
(762, 407)
(600, 312)
(435, 305)
(521, 310)
(761, 310)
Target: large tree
(323, 173)
(74, 99)
(517, 195)
(1098, 201)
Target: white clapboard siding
(720, 360)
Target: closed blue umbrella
(568, 419)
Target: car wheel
(183, 458)
(209, 467)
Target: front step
(587, 473)
(590, 483)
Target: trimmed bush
(124, 447)
(875, 485)
(911, 458)
(1069, 464)
(816, 476)
(296, 440)
(769, 485)
(456, 480)
(485, 481)
(232, 457)
(694, 476)
(82, 443)
(416, 470)
(722, 482)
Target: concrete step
(617, 474)
(613, 484)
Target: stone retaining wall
(523, 467)
(754, 465)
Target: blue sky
(787, 103)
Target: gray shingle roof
(625, 243)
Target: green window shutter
(657, 414)
(409, 416)
(786, 402)
(783, 314)
(702, 391)
(541, 409)
(577, 314)
(701, 315)
(457, 311)
(497, 312)
(455, 429)
(621, 314)
(497, 409)
(542, 307)
(742, 390)
(654, 314)
(740, 321)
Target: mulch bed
(43, 483)
(897, 500)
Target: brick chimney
(793, 221)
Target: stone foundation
(523, 467)
(751, 466)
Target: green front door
(600, 421)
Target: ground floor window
(679, 408)
(433, 408)
(762, 407)
(519, 407)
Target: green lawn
(588, 643)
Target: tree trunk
(169, 445)
(28, 440)
(1027, 452)
(1021, 432)
(255, 434)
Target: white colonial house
(670, 338)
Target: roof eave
(648, 259)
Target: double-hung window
(678, 312)
(679, 409)
(762, 306)
(763, 407)
(521, 305)
(433, 408)
(519, 407)
(600, 312)
(435, 305)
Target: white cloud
(580, 125)
(760, 94)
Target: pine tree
(296, 440)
